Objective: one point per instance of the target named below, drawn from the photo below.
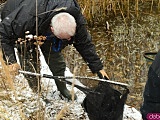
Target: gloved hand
(102, 75)
(13, 68)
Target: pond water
(122, 51)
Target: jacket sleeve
(8, 50)
(8, 37)
(13, 26)
(87, 49)
(7, 43)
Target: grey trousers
(56, 63)
(55, 60)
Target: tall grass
(5, 76)
(99, 11)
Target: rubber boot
(33, 83)
(61, 86)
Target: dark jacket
(151, 95)
(19, 16)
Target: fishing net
(149, 56)
(106, 102)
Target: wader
(57, 65)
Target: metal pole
(77, 77)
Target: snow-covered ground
(23, 103)
(51, 101)
(130, 113)
(23, 99)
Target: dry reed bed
(101, 10)
(18, 102)
(121, 50)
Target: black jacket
(151, 95)
(19, 16)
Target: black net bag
(105, 102)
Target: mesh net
(105, 102)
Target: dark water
(122, 51)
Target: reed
(99, 11)
(6, 77)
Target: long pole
(71, 77)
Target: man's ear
(52, 29)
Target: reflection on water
(121, 49)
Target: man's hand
(102, 74)
(13, 68)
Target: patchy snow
(130, 113)
(23, 103)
